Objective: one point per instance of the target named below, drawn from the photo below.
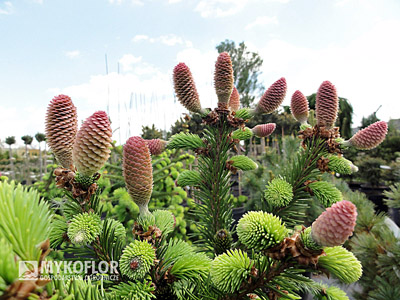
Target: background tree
(372, 118)
(40, 137)
(27, 141)
(11, 141)
(345, 115)
(190, 123)
(246, 68)
(152, 132)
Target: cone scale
(61, 128)
(138, 172)
(93, 142)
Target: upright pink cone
(223, 77)
(299, 107)
(156, 146)
(264, 130)
(93, 143)
(327, 104)
(370, 137)
(138, 172)
(273, 97)
(234, 100)
(185, 88)
(334, 226)
(61, 128)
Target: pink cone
(234, 100)
(369, 137)
(335, 225)
(327, 104)
(264, 130)
(138, 172)
(223, 77)
(273, 97)
(185, 88)
(299, 107)
(61, 128)
(93, 143)
(156, 146)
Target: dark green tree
(345, 115)
(27, 141)
(372, 118)
(152, 132)
(40, 137)
(11, 141)
(189, 123)
(246, 68)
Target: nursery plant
(264, 256)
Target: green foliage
(58, 231)
(339, 164)
(341, 263)
(40, 137)
(137, 259)
(8, 264)
(27, 139)
(25, 219)
(119, 229)
(369, 169)
(132, 291)
(189, 178)
(246, 68)
(278, 192)
(185, 141)
(243, 163)
(242, 134)
(307, 239)
(325, 192)
(165, 221)
(10, 140)
(84, 228)
(372, 118)
(149, 133)
(223, 241)
(393, 196)
(229, 270)
(185, 261)
(332, 293)
(260, 230)
(244, 113)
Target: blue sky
(48, 47)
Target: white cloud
(133, 2)
(141, 96)
(173, 1)
(128, 60)
(169, 40)
(262, 21)
(202, 66)
(21, 124)
(7, 8)
(73, 54)
(38, 1)
(140, 37)
(365, 71)
(219, 8)
(224, 8)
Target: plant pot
(394, 214)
